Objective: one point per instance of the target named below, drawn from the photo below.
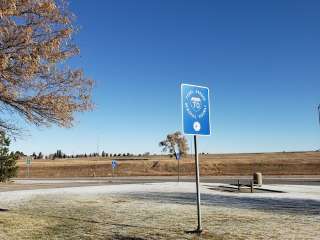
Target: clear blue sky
(260, 59)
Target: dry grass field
(284, 163)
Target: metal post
(251, 186)
(199, 229)
(1, 164)
(178, 170)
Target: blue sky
(260, 59)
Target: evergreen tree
(40, 155)
(19, 154)
(103, 154)
(8, 168)
(59, 154)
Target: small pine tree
(103, 154)
(19, 154)
(59, 154)
(40, 155)
(8, 168)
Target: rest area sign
(195, 102)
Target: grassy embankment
(296, 163)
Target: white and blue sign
(114, 163)
(177, 154)
(195, 109)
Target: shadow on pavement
(268, 204)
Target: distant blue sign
(177, 156)
(114, 163)
(195, 109)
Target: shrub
(8, 168)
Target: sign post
(28, 162)
(114, 164)
(178, 156)
(195, 103)
(319, 113)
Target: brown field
(284, 163)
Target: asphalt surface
(41, 183)
(294, 180)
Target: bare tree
(35, 83)
(174, 143)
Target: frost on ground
(159, 211)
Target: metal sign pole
(319, 113)
(28, 167)
(178, 170)
(195, 104)
(199, 228)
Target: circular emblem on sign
(196, 104)
(196, 126)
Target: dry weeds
(300, 163)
